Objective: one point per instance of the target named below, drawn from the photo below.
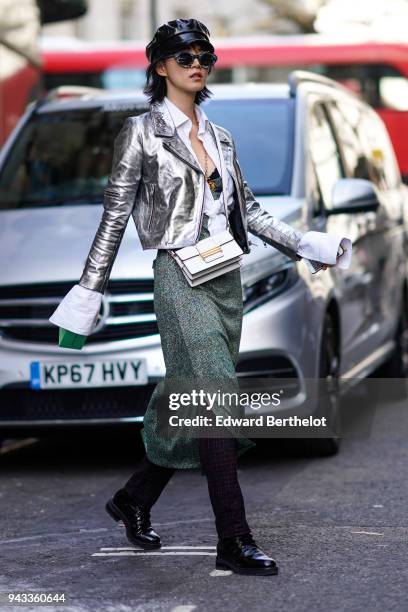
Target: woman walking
(181, 174)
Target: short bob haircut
(155, 87)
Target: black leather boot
(242, 555)
(136, 519)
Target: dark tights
(219, 463)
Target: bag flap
(217, 239)
(209, 249)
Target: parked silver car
(322, 161)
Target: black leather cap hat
(175, 34)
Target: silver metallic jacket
(157, 180)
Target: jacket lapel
(173, 141)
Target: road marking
(183, 608)
(42, 536)
(68, 534)
(137, 553)
(369, 532)
(112, 548)
(218, 572)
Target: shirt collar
(180, 118)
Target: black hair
(156, 88)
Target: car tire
(396, 365)
(329, 363)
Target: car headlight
(268, 287)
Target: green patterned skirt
(200, 330)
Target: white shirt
(79, 309)
(213, 208)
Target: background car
(314, 155)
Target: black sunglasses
(186, 58)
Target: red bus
(377, 70)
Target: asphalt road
(336, 526)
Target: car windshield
(61, 158)
(263, 130)
(65, 157)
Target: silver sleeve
(119, 199)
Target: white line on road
(112, 548)
(42, 536)
(69, 534)
(369, 532)
(137, 553)
(218, 572)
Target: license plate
(106, 373)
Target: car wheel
(396, 365)
(329, 397)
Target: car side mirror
(352, 195)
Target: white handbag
(208, 258)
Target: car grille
(21, 404)
(25, 310)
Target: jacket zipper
(222, 162)
(152, 211)
(202, 214)
(194, 168)
(165, 145)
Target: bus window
(123, 77)
(375, 80)
(115, 77)
(380, 85)
(394, 92)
